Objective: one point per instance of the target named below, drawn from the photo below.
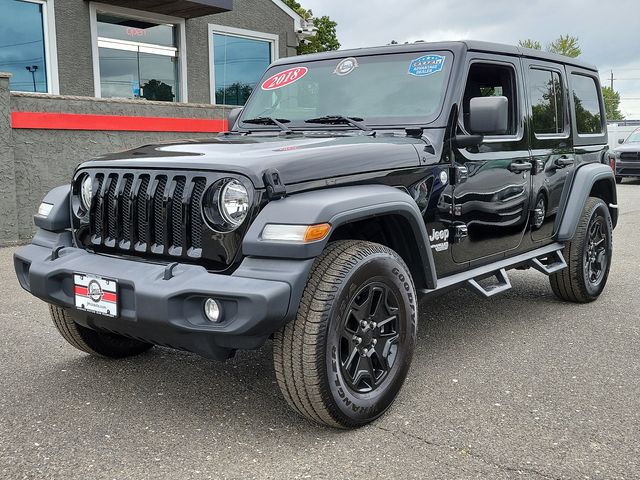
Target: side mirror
(621, 141)
(466, 141)
(232, 118)
(489, 115)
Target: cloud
(607, 30)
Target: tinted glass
(238, 64)
(634, 137)
(119, 73)
(545, 93)
(110, 26)
(490, 80)
(381, 89)
(587, 100)
(22, 51)
(158, 77)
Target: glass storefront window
(238, 66)
(137, 59)
(22, 47)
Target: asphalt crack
(505, 468)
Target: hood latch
(275, 188)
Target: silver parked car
(626, 158)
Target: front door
(551, 143)
(494, 201)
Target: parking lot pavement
(522, 386)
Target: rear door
(551, 142)
(493, 202)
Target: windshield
(634, 137)
(405, 88)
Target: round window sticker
(282, 79)
(346, 66)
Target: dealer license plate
(96, 294)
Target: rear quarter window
(587, 105)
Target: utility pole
(612, 79)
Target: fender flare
(336, 206)
(573, 198)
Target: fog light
(212, 310)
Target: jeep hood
(297, 157)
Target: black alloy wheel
(370, 334)
(596, 259)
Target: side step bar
(545, 260)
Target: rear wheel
(344, 358)
(588, 256)
(101, 344)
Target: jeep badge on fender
(381, 175)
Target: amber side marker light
(295, 233)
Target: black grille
(630, 156)
(148, 213)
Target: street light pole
(32, 69)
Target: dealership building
(81, 78)
(197, 51)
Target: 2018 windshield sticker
(426, 65)
(346, 66)
(284, 78)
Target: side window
(547, 102)
(587, 104)
(487, 80)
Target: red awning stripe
(116, 123)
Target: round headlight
(86, 192)
(234, 202)
(226, 204)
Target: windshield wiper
(340, 119)
(278, 122)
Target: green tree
(326, 37)
(566, 45)
(529, 43)
(612, 104)
(157, 90)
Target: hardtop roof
(455, 47)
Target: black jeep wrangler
(350, 186)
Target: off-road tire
(100, 344)
(306, 350)
(571, 284)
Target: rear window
(587, 104)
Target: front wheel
(342, 361)
(588, 256)
(99, 344)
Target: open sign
(135, 32)
(284, 78)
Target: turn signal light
(295, 233)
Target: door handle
(563, 161)
(519, 167)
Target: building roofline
(297, 19)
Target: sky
(608, 30)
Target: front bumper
(170, 312)
(627, 169)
